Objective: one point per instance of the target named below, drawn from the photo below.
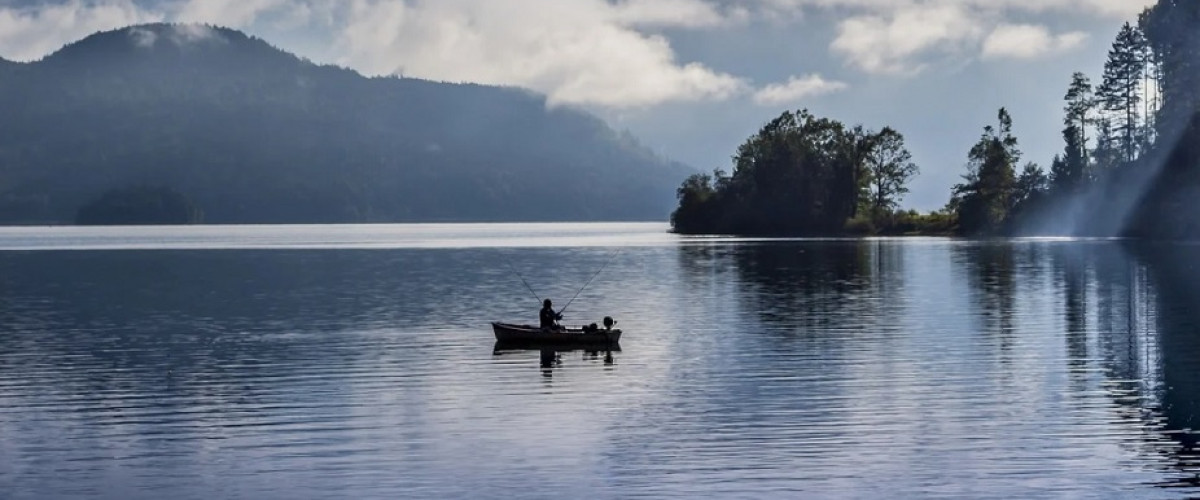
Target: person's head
(546, 303)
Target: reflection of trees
(989, 273)
(812, 284)
(1145, 325)
(1176, 300)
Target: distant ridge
(254, 134)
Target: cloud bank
(609, 53)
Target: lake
(358, 362)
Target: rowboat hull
(526, 334)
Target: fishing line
(527, 287)
(589, 281)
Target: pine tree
(1121, 91)
(1080, 103)
(1172, 29)
(1070, 170)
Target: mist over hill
(252, 134)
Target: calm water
(357, 362)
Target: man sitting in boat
(548, 317)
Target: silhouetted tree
(1121, 91)
(799, 174)
(1172, 30)
(1080, 104)
(1030, 185)
(984, 200)
(889, 168)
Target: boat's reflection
(551, 355)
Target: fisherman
(548, 317)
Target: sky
(692, 79)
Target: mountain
(252, 134)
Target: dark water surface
(357, 362)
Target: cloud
(795, 89)
(891, 44)
(594, 52)
(902, 37)
(611, 53)
(230, 13)
(579, 52)
(678, 13)
(29, 33)
(1112, 9)
(1025, 41)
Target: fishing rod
(589, 281)
(527, 287)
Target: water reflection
(817, 285)
(830, 369)
(552, 357)
(1128, 309)
(1176, 396)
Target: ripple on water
(836, 369)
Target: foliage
(889, 168)
(140, 205)
(799, 174)
(1121, 91)
(982, 202)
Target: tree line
(1130, 163)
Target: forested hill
(252, 134)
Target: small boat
(527, 334)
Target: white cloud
(28, 33)
(580, 52)
(681, 13)
(891, 44)
(795, 89)
(230, 13)
(597, 52)
(1114, 9)
(904, 36)
(575, 51)
(1025, 41)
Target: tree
(697, 201)
(889, 168)
(984, 200)
(1080, 103)
(1121, 91)
(1107, 154)
(1069, 170)
(1172, 30)
(799, 174)
(1030, 185)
